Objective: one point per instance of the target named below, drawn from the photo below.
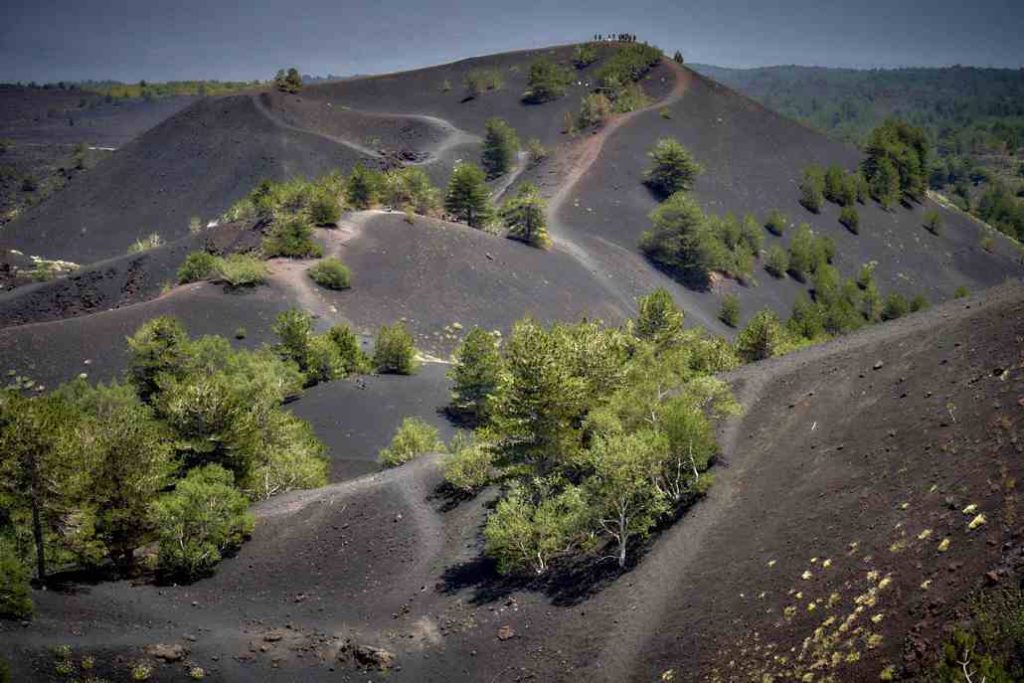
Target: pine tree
(524, 217)
(467, 198)
(500, 148)
(673, 168)
(363, 188)
(761, 337)
(475, 374)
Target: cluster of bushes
(618, 90)
(413, 439)
(595, 434)
(835, 307)
(835, 185)
(291, 209)
(316, 202)
(547, 81)
(403, 189)
(999, 208)
(807, 251)
(235, 270)
(319, 357)
(628, 64)
(595, 108)
(172, 454)
(896, 165)
(289, 81)
(467, 200)
(683, 240)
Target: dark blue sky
(49, 40)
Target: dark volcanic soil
(437, 275)
(752, 160)
(847, 454)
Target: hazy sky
(49, 40)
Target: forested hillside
(973, 119)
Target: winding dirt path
(455, 136)
(290, 274)
(573, 164)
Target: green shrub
(241, 270)
(500, 147)
(812, 188)
(288, 81)
(658, 321)
(896, 162)
(294, 329)
(204, 517)
(777, 261)
(761, 338)
(393, 351)
(324, 209)
(198, 265)
(918, 303)
(631, 98)
(522, 534)
(469, 466)
(672, 169)
(987, 243)
(413, 439)
(776, 222)
(158, 346)
(330, 273)
(961, 292)
(152, 241)
(410, 189)
(467, 198)
(595, 109)
(866, 275)
(803, 256)
(292, 238)
(628, 64)
(474, 375)
(682, 242)
(353, 360)
(15, 593)
(730, 311)
(547, 81)
(933, 221)
(835, 185)
(525, 217)
(363, 187)
(849, 217)
(535, 151)
(896, 306)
